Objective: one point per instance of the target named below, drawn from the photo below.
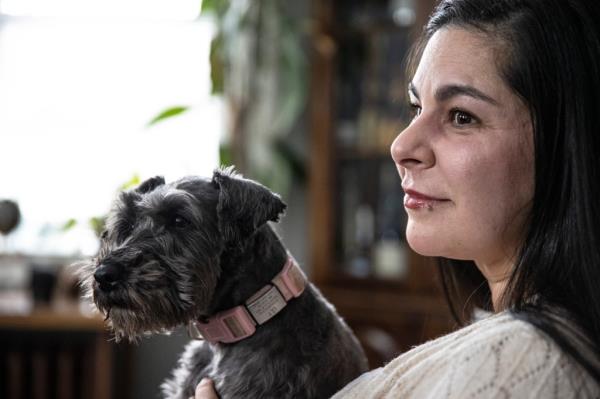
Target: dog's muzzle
(108, 276)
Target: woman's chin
(427, 246)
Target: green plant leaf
(134, 181)
(225, 155)
(207, 5)
(69, 224)
(98, 224)
(218, 7)
(168, 113)
(216, 65)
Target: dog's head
(158, 263)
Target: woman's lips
(416, 200)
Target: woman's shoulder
(497, 354)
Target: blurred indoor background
(96, 96)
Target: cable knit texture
(497, 357)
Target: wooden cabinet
(358, 253)
(61, 354)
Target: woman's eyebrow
(445, 93)
(413, 90)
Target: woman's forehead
(460, 57)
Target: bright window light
(185, 10)
(76, 95)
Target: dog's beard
(148, 304)
(132, 325)
(133, 314)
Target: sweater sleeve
(501, 358)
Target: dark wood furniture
(60, 354)
(358, 48)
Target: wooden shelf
(51, 320)
(405, 312)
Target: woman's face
(466, 159)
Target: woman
(502, 180)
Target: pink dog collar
(240, 322)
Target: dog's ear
(150, 184)
(244, 205)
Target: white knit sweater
(497, 357)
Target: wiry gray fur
(189, 249)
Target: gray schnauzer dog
(199, 252)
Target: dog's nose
(107, 275)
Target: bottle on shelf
(390, 257)
(361, 261)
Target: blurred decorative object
(14, 281)
(28, 282)
(14, 272)
(43, 278)
(43, 281)
(390, 257)
(9, 216)
(67, 290)
(403, 12)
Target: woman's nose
(412, 149)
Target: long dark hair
(551, 60)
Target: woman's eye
(461, 118)
(415, 110)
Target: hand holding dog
(205, 390)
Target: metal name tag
(266, 305)
(194, 332)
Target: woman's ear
(244, 205)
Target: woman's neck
(497, 289)
(497, 275)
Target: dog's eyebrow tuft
(173, 203)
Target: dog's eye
(180, 221)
